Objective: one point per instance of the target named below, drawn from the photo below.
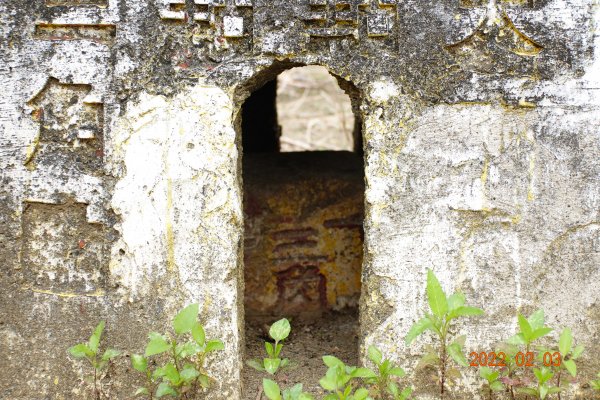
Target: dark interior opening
(259, 121)
(303, 214)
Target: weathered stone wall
(120, 163)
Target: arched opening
(303, 179)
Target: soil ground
(331, 334)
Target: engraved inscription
(98, 3)
(61, 251)
(495, 43)
(342, 18)
(227, 15)
(100, 33)
(71, 128)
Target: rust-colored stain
(303, 232)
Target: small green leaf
(455, 301)
(81, 350)
(95, 338)
(397, 371)
(332, 361)
(214, 345)
(204, 381)
(257, 365)
(465, 311)
(577, 351)
(540, 332)
(189, 373)
(565, 342)
(170, 372)
(375, 355)
(363, 373)
(517, 340)
(436, 296)
(271, 365)
(188, 349)
(461, 340)
(198, 334)
(543, 391)
(428, 359)
(278, 349)
(328, 383)
(164, 389)
(525, 328)
(271, 389)
(485, 373)
(571, 367)
(295, 391)
(141, 390)
(361, 394)
(157, 344)
(536, 320)
(457, 355)
(405, 393)
(453, 374)
(528, 391)
(543, 375)
(269, 348)
(185, 320)
(496, 386)
(418, 328)
(109, 354)
(347, 391)
(158, 373)
(280, 329)
(139, 362)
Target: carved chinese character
(226, 17)
(484, 38)
(340, 18)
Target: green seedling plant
(444, 311)
(543, 376)
(279, 331)
(531, 330)
(562, 360)
(99, 361)
(182, 373)
(273, 392)
(385, 377)
(596, 383)
(492, 382)
(341, 380)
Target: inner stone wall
(303, 235)
(121, 186)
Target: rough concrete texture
(481, 142)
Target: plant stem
(443, 367)
(95, 365)
(558, 383)
(510, 385)
(150, 386)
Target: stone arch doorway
(303, 216)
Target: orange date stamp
(521, 359)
